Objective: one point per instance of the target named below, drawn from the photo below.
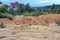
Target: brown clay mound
(40, 20)
(6, 21)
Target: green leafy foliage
(58, 11)
(35, 13)
(58, 22)
(3, 10)
(21, 8)
(10, 17)
(2, 25)
(53, 8)
(1, 37)
(28, 8)
(32, 13)
(6, 15)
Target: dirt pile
(42, 19)
(6, 21)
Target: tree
(0, 2)
(58, 11)
(53, 10)
(27, 7)
(6, 6)
(11, 11)
(19, 8)
(22, 8)
(3, 9)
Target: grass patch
(57, 31)
(58, 23)
(2, 25)
(2, 37)
(45, 37)
(35, 13)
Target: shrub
(10, 17)
(58, 22)
(58, 11)
(22, 27)
(35, 13)
(2, 37)
(3, 9)
(2, 25)
(45, 13)
(2, 15)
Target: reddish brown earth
(40, 20)
(43, 19)
(6, 21)
(31, 32)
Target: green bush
(3, 9)
(58, 22)
(45, 13)
(1, 37)
(35, 13)
(58, 11)
(10, 17)
(2, 25)
(3, 15)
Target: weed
(58, 23)
(2, 25)
(45, 37)
(37, 28)
(57, 31)
(2, 37)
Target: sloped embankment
(40, 20)
(8, 23)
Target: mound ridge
(6, 21)
(39, 20)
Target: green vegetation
(58, 23)
(2, 37)
(10, 17)
(53, 8)
(3, 10)
(58, 11)
(32, 14)
(56, 31)
(27, 10)
(6, 15)
(2, 25)
(35, 13)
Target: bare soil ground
(41, 20)
(34, 31)
(6, 21)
